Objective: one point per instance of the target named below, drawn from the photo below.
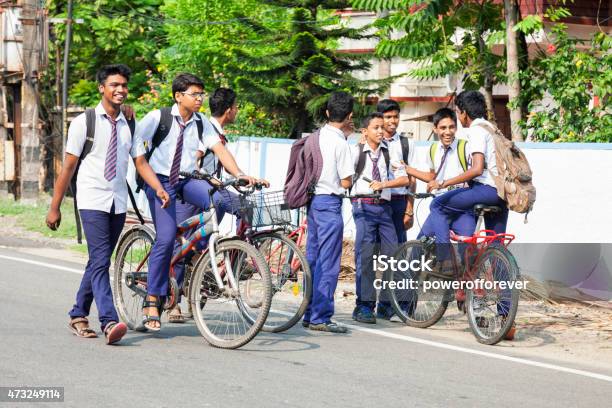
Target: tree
(112, 31)
(295, 76)
(443, 37)
(568, 87)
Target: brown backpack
(514, 177)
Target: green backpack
(461, 143)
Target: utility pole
(29, 144)
(514, 84)
(65, 79)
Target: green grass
(32, 217)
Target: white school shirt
(363, 187)
(94, 192)
(452, 164)
(337, 162)
(161, 160)
(481, 141)
(209, 164)
(395, 150)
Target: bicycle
(486, 291)
(291, 275)
(216, 293)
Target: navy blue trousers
(323, 252)
(398, 206)
(102, 231)
(375, 235)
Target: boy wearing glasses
(176, 153)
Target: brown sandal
(175, 315)
(86, 332)
(114, 332)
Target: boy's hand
(265, 182)
(433, 185)
(408, 221)
(127, 111)
(377, 185)
(164, 197)
(54, 218)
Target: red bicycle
(478, 271)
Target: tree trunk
(488, 82)
(514, 85)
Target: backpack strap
(90, 126)
(163, 128)
(461, 152)
(405, 148)
(432, 152)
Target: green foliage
(295, 75)
(113, 31)
(565, 79)
(441, 36)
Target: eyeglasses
(199, 95)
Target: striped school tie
(375, 170)
(176, 161)
(110, 164)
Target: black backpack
(163, 128)
(90, 124)
(362, 159)
(405, 147)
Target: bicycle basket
(265, 209)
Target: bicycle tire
(430, 306)
(134, 246)
(205, 297)
(477, 307)
(291, 281)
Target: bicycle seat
(481, 209)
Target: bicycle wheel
(423, 304)
(220, 313)
(291, 280)
(492, 306)
(130, 274)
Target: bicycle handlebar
(215, 182)
(415, 195)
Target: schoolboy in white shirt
(101, 197)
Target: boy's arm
(425, 176)
(54, 215)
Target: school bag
(90, 124)
(361, 160)
(304, 171)
(461, 152)
(514, 177)
(163, 129)
(405, 147)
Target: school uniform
(446, 164)
(456, 206)
(102, 204)
(373, 221)
(177, 152)
(399, 197)
(325, 224)
(184, 210)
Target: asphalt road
(387, 367)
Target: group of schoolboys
(377, 172)
(382, 162)
(101, 192)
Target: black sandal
(148, 318)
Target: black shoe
(363, 314)
(305, 324)
(384, 312)
(330, 327)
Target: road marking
(480, 353)
(469, 350)
(46, 265)
(393, 335)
